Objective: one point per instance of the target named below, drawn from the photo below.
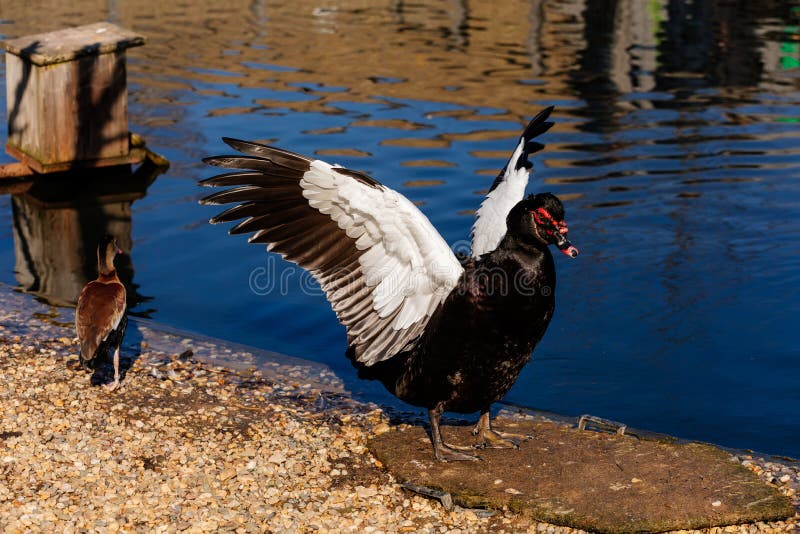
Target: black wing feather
(537, 126)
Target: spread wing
(101, 307)
(507, 189)
(383, 266)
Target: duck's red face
(553, 230)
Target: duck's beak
(565, 246)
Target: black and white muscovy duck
(439, 333)
(101, 313)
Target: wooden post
(67, 98)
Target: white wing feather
(508, 188)
(383, 266)
(407, 263)
(490, 222)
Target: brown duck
(101, 314)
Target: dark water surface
(676, 149)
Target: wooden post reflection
(58, 223)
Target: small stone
(365, 493)
(381, 429)
(276, 458)
(716, 503)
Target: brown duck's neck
(108, 276)
(105, 264)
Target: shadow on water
(60, 219)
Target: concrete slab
(590, 480)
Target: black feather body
(482, 336)
(108, 345)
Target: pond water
(676, 150)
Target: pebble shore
(190, 446)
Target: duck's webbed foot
(488, 438)
(491, 439)
(441, 450)
(447, 453)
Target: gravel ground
(187, 445)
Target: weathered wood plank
(135, 155)
(72, 43)
(14, 170)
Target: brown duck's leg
(114, 385)
(488, 438)
(441, 450)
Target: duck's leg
(488, 438)
(114, 385)
(441, 450)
